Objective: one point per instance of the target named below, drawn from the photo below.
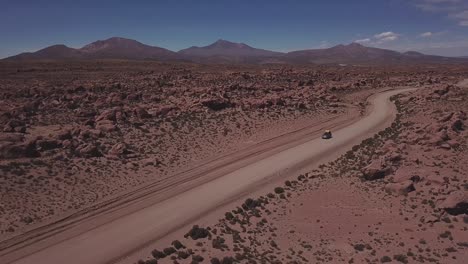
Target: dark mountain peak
(221, 43)
(224, 48)
(351, 46)
(114, 42)
(57, 50)
(57, 46)
(54, 52)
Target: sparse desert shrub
(197, 232)
(158, 254)
(451, 250)
(279, 190)
(169, 250)
(215, 261)
(218, 243)
(197, 258)
(250, 204)
(183, 254)
(217, 105)
(401, 258)
(385, 259)
(177, 244)
(227, 260)
(229, 216)
(359, 247)
(445, 234)
(273, 244)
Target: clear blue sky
(431, 26)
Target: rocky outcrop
(12, 150)
(106, 126)
(141, 113)
(376, 170)
(15, 126)
(400, 188)
(456, 203)
(119, 150)
(217, 104)
(88, 150)
(47, 144)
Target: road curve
(109, 241)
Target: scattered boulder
(446, 117)
(85, 113)
(217, 104)
(141, 113)
(119, 149)
(443, 135)
(64, 135)
(407, 173)
(9, 150)
(47, 144)
(461, 115)
(90, 133)
(400, 188)
(442, 91)
(457, 125)
(67, 144)
(107, 115)
(393, 157)
(5, 117)
(456, 203)
(439, 138)
(15, 126)
(164, 110)
(106, 126)
(375, 171)
(150, 162)
(445, 146)
(434, 179)
(89, 151)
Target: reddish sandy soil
(136, 228)
(398, 197)
(79, 137)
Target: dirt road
(110, 240)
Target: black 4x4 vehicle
(327, 134)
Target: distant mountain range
(223, 51)
(113, 48)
